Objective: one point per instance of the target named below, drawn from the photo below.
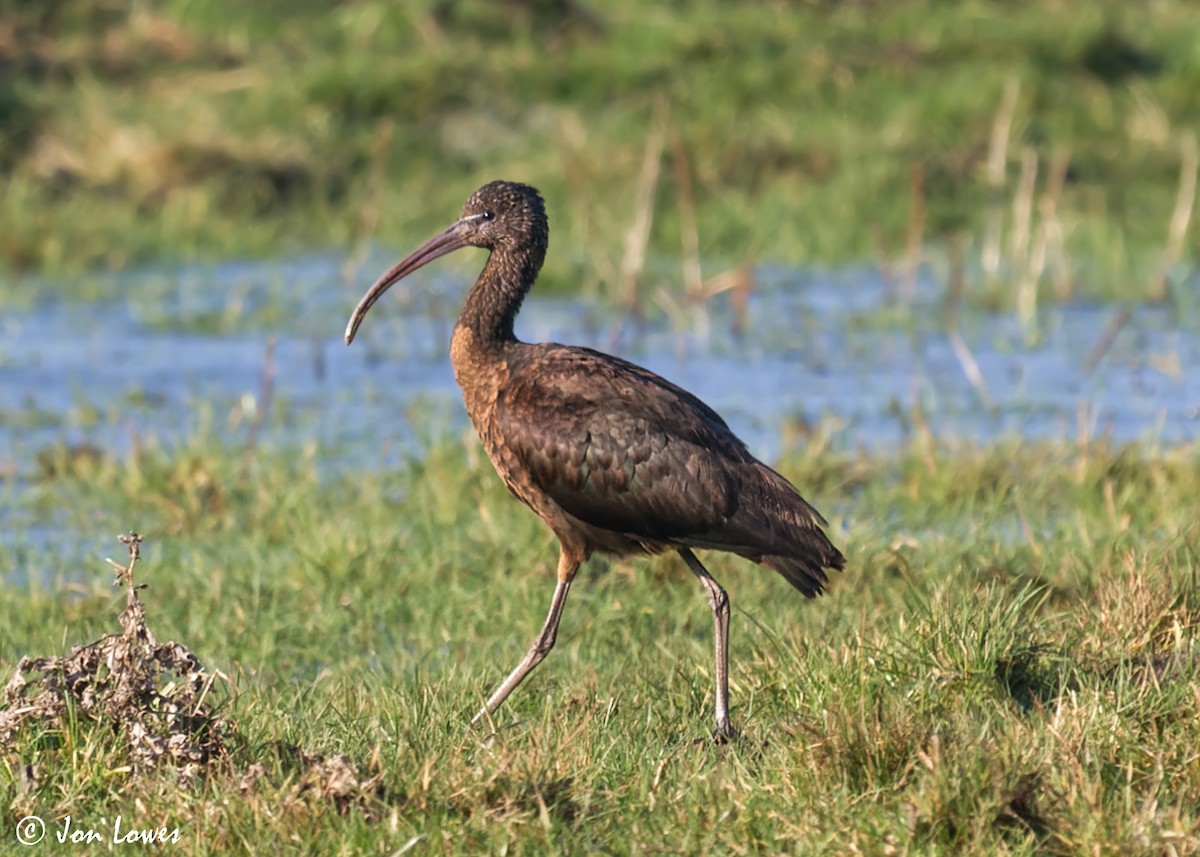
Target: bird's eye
(486, 216)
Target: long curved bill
(437, 246)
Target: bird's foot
(722, 735)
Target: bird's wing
(617, 446)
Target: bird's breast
(479, 374)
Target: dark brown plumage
(612, 457)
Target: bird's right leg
(718, 599)
(568, 564)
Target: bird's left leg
(568, 563)
(718, 599)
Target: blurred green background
(797, 132)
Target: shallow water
(171, 350)
(163, 355)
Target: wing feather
(618, 447)
(624, 450)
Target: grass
(1009, 665)
(1058, 133)
(1011, 662)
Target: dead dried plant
(156, 695)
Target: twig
(1181, 217)
(125, 572)
(638, 235)
(743, 285)
(955, 289)
(677, 312)
(916, 232)
(689, 237)
(739, 282)
(264, 395)
(1052, 227)
(997, 160)
(1048, 230)
(1106, 340)
(1022, 259)
(1023, 205)
(970, 368)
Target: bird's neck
(483, 337)
(491, 306)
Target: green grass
(177, 131)
(1009, 665)
(1011, 662)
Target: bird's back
(623, 451)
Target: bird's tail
(775, 526)
(806, 569)
(787, 532)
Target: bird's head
(504, 214)
(500, 216)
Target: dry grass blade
(1022, 254)
(1106, 339)
(997, 159)
(962, 353)
(1181, 217)
(1053, 233)
(689, 234)
(915, 233)
(638, 235)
